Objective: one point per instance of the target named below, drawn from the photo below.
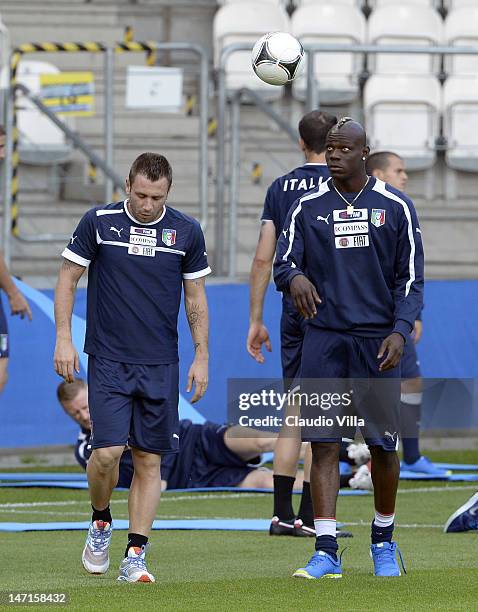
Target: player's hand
(305, 296)
(257, 336)
(66, 360)
(19, 305)
(393, 347)
(417, 332)
(198, 374)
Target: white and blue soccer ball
(277, 58)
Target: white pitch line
(435, 489)
(200, 496)
(398, 525)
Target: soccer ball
(277, 58)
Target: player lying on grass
(210, 455)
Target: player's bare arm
(18, 304)
(392, 347)
(66, 361)
(195, 303)
(259, 279)
(417, 332)
(305, 296)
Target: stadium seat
(402, 115)
(461, 29)
(357, 3)
(427, 3)
(280, 3)
(453, 4)
(40, 141)
(336, 73)
(245, 22)
(460, 106)
(402, 24)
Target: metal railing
(312, 102)
(10, 183)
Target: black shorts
(133, 404)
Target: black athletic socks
(381, 534)
(283, 486)
(306, 512)
(136, 540)
(410, 427)
(328, 544)
(101, 515)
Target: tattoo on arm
(194, 315)
(196, 346)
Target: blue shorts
(409, 364)
(292, 327)
(133, 404)
(3, 333)
(214, 465)
(351, 364)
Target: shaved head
(345, 153)
(347, 127)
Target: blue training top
(135, 277)
(285, 190)
(366, 263)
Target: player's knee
(323, 452)
(146, 465)
(264, 445)
(106, 459)
(386, 459)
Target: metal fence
(12, 160)
(229, 102)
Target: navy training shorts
(351, 363)
(3, 333)
(214, 464)
(133, 404)
(409, 364)
(292, 328)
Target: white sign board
(154, 88)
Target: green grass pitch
(246, 571)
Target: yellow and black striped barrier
(150, 48)
(45, 47)
(127, 46)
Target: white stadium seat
(402, 115)
(453, 4)
(461, 30)
(460, 106)
(357, 3)
(281, 3)
(336, 73)
(245, 22)
(427, 3)
(40, 141)
(403, 24)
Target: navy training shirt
(366, 264)
(285, 190)
(135, 276)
